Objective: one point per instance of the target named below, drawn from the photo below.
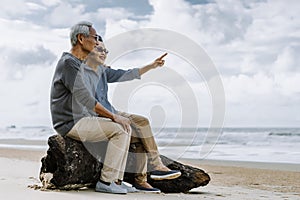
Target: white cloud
(288, 60)
(13, 9)
(35, 7)
(254, 44)
(113, 13)
(255, 47)
(20, 60)
(274, 20)
(175, 94)
(25, 35)
(51, 2)
(289, 85)
(66, 14)
(25, 102)
(114, 27)
(26, 70)
(175, 15)
(243, 89)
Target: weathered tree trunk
(69, 165)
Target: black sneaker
(147, 190)
(162, 175)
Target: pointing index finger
(161, 57)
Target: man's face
(90, 41)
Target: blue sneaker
(130, 189)
(147, 190)
(162, 175)
(112, 188)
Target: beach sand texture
(230, 180)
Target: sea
(271, 145)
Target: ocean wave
(283, 134)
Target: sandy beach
(229, 180)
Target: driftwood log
(70, 164)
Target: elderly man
(72, 105)
(97, 75)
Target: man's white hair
(82, 27)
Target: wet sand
(229, 180)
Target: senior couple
(80, 110)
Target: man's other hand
(125, 122)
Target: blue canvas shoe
(112, 188)
(126, 186)
(147, 190)
(162, 175)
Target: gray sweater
(70, 100)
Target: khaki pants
(146, 148)
(96, 129)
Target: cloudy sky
(254, 45)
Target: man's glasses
(100, 49)
(98, 38)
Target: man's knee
(121, 130)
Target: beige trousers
(146, 148)
(96, 129)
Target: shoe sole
(131, 191)
(104, 191)
(165, 177)
(146, 191)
